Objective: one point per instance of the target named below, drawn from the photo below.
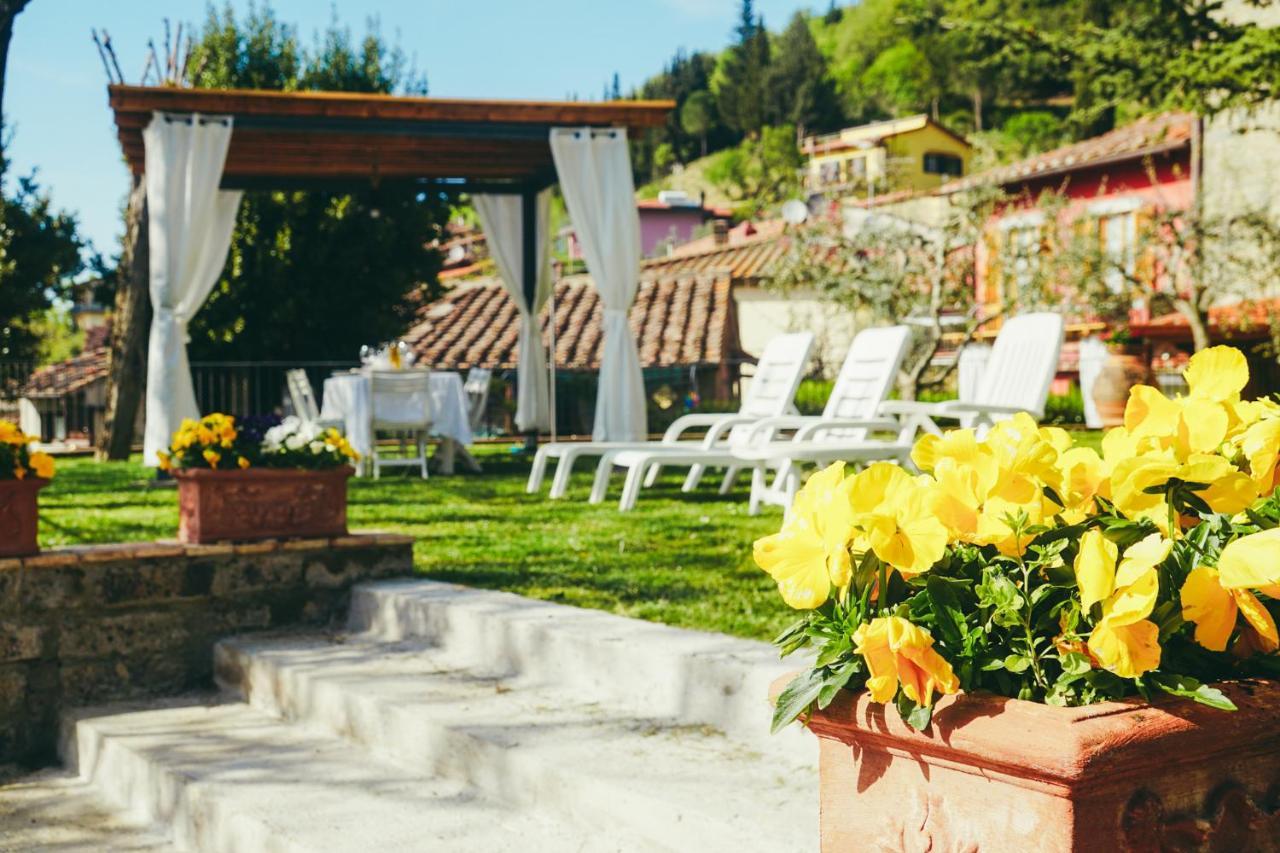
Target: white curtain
(503, 223)
(594, 167)
(189, 234)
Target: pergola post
(529, 271)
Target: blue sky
(56, 106)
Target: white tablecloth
(347, 399)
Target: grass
(680, 559)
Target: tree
(40, 253)
(697, 117)
(800, 91)
(761, 171)
(739, 81)
(888, 270)
(900, 80)
(9, 10)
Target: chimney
(720, 228)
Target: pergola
(503, 153)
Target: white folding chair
(771, 392)
(400, 403)
(303, 398)
(476, 388)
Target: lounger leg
(422, 453)
(600, 487)
(729, 476)
(538, 471)
(790, 486)
(631, 488)
(757, 486)
(564, 470)
(694, 477)
(652, 476)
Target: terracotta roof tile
(1144, 136)
(748, 257)
(678, 319)
(70, 376)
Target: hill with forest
(1016, 77)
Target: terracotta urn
(261, 503)
(1002, 775)
(1122, 370)
(19, 516)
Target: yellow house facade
(911, 153)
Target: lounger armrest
(720, 429)
(694, 421)
(765, 429)
(828, 424)
(987, 408)
(912, 407)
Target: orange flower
(898, 652)
(213, 457)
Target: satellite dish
(795, 211)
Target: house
(685, 325)
(66, 402)
(912, 153)
(671, 219)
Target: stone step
(228, 777)
(57, 810)
(551, 750)
(693, 677)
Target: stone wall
(92, 624)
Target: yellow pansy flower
(893, 510)
(1218, 374)
(213, 457)
(1212, 598)
(164, 460)
(898, 652)
(1261, 446)
(811, 552)
(42, 464)
(243, 462)
(1084, 477)
(1123, 641)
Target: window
(943, 164)
(1119, 235)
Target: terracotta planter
(996, 774)
(1121, 371)
(261, 504)
(19, 516)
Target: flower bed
(260, 480)
(1020, 566)
(23, 473)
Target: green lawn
(680, 559)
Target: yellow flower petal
(1217, 373)
(1150, 413)
(1095, 567)
(1211, 607)
(1141, 557)
(1132, 602)
(1251, 562)
(796, 559)
(1259, 618)
(1261, 445)
(1126, 650)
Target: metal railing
(255, 387)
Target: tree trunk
(1197, 322)
(977, 108)
(9, 10)
(127, 370)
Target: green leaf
(1017, 663)
(917, 716)
(834, 650)
(796, 698)
(1074, 663)
(946, 610)
(1190, 688)
(837, 681)
(792, 637)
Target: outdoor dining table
(348, 398)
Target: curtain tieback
(170, 317)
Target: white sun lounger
(865, 379)
(1016, 379)
(772, 392)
